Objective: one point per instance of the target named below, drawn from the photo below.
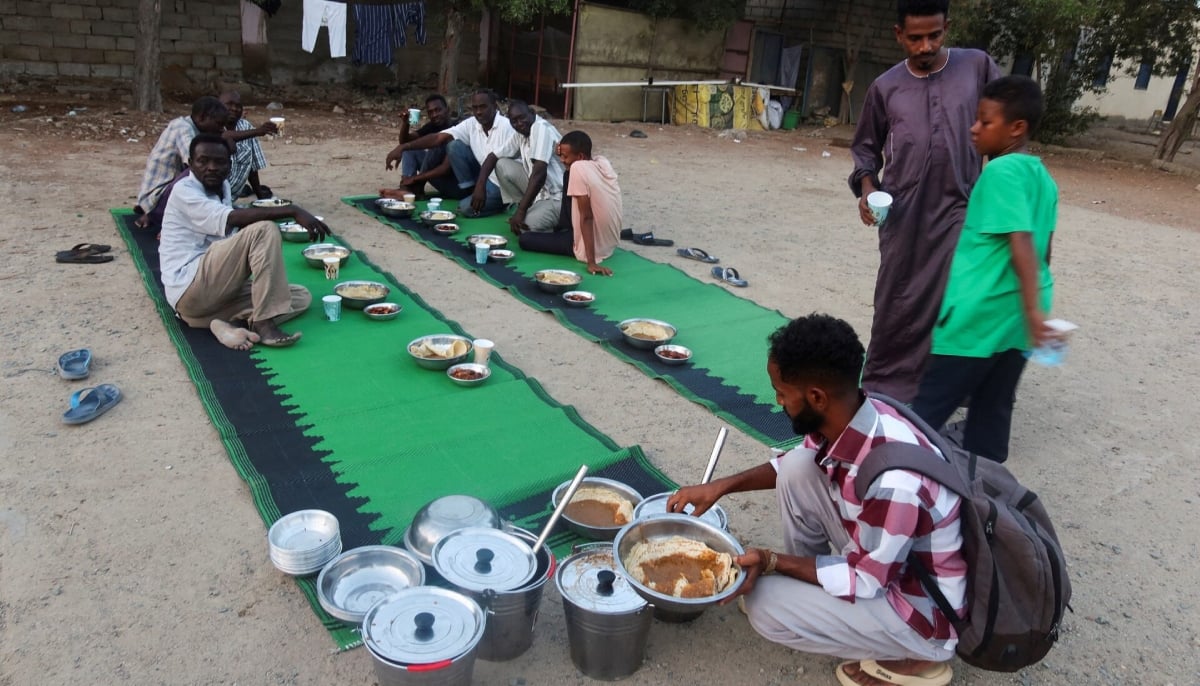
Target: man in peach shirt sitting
(595, 197)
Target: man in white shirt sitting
(231, 281)
(469, 144)
(535, 180)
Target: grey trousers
(542, 215)
(803, 616)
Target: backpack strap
(910, 457)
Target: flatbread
(648, 331)
(439, 351)
(681, 567)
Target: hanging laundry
(414, 15)
(268, 6)
(379, 29)
(331, 15)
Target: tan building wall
(1121, 100)
(616, 45)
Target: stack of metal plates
(302, 542)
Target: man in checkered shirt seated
(840, 584)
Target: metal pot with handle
(424, 636)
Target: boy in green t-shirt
(1000, 288)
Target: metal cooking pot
(424, 636)
(607, 621)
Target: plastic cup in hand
(880, 203)
(1053, 352)
(333, 307)
(278, 122)
(414, 116)
(483, 350)
(481, 252)
(331, 267)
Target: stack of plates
(302, 542)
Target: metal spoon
(558, 509)
(716, 453)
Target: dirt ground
(130, 551)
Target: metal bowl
(443, 516)
(493, 240)
(358, 303)
(271, 202)
(303, 530)
(446, 229)
(358, 579)
(469, 366)
(316, 253)
(437, 217)
(439, 363)
(657, 504)
(293, 232)
(396, 208)
(501, 255)
(663, 526)
(661, 353)
(578, 298)
(572, 277)
(598, 533)
(644, 343)
(391, 312)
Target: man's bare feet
(232, 336)
(917, 672)
(272, 336)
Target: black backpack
(1017, 586)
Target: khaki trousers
(223, 288)
(542, 215)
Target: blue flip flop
(697, 254)
(75, 364)
(730, 276)
(89, 403)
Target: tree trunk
(448, 71)
(1181, 126)
(147, 61)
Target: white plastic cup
(278, 122)
(435, 204)
(481, 252)
(414, 116)
(1053, 352)
(483, 350)
(410, 197)
(333, 307)
(331, 267)
(880, 203)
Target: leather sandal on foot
(287, 341)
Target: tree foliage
(707, 14)
(1071, 42)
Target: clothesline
(381, 27)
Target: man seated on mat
(591, 186)
(842, 585)
(418, 167)
(170, 153)
(468, 145)
(248, 156)
(216, 276)
(534, 181)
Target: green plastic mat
(346, 422)
(726, 333)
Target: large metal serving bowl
(293, 232)
(439, 363)
(395, 208)
(444, 516)
(645, 343)
(559, 288)
(494, 240)
(356, 303)
(432, 217)
(599, 533)
(358, 579)
(657, 504)
(316, 253)
(663, 526)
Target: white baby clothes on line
(331, 15)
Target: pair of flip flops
(697, 254)
(730, 276)
(89, 403)
(84, 253)
(75, 364)
(645, 238)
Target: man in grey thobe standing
(913, 141)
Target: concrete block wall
(95, 38)
(824, 24)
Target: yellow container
(716, 107)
